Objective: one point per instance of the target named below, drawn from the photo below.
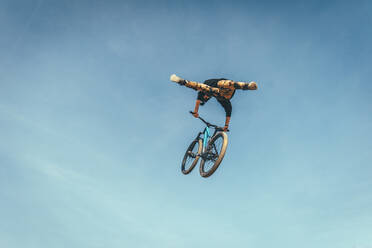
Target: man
(222, 89)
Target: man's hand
(226, 128)
(195, 114)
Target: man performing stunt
(222, 89)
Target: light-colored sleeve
(229, 84)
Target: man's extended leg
(194, 85)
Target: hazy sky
(92, 132)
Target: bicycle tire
(185, 168)
(221, 153)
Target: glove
(252, 86)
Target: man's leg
(194, 85)
(201, 87)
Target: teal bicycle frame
(207, 135)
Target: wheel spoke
(215, 149)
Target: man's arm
(226, 104)
(227, 121)
(245, 86)
(229, 84)
(196, 109)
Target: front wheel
(214, 154)
(191, 156)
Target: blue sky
(93, 132)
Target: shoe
(175, 78)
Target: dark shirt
(204, 97)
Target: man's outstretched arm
(229, 84)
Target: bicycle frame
(205, 136)
(206, 132)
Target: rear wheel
(214, 154)
(191, 156)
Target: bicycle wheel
(191, 159)
(214, 154)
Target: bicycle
(210, 148)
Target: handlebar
(209, 124)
